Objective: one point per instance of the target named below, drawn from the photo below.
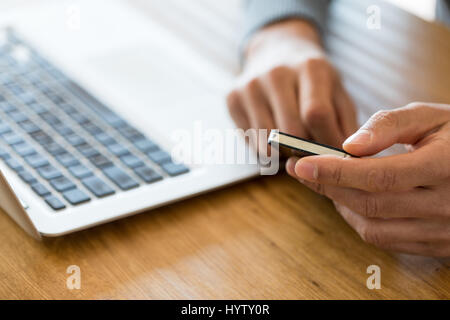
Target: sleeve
(259, 13)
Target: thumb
(405, 125)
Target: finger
(281, 89)
(259, 114)
(316, 105)
(438, 250)
(346, 111)
(405, 125)
(237, 111)
(417, 203)
(290, 166)
(384, 232)
(394, 173)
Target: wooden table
(270, 238)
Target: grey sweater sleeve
(259, 13)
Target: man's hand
(288, 84)
(401, 202)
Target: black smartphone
(304, 147)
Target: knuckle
(370, 207)
(315, 63)
(319, 188)
(278, 74)
(337, 175)
(438, 251)
(371, 235)
(233, 102)
(386, 117)
(315, 114)
(252, 85)
(291, 126)
(233, 96)
(381, 180)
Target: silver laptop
(94, 97)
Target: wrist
(297, 31)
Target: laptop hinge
(13, 207)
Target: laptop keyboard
(64, 143)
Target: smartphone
(304, 147)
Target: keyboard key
(63, 130)
(87, 150)
(80, 171)
(27, 177)
(146, 145)
(14, 164)
(105, 139)
(92, 128)
(67, 160)
(100, 161)
(36, 160)
(4, 128)
(54, 203)
(54, 148)
(132, 161)
(40, 189)
(49, 172)
(7, 107)
(79, 118)
(97, 187)
(38, 108)
(120, 178)
(131, 133)
(113, 119)
(26, 98)
(67, 108)
(50, 118)
(17, 116)
(24, 149)
(118, 149)
(41, 137)
(4, 154)
(75, 140)
(15, 89)
(12, 138)
(174, 169)
(147, 174)
(62, 184)
(76, 196)
(29, 127)
(159, 157)
(56, 99)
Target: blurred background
(422, 8)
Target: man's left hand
(399, 203)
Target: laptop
(94, 97)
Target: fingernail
(361, 137)
(290, 165)
(307, 171)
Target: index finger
(395, 173)
(316, 102)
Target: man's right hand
(288, 84)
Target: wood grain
(269, 238)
